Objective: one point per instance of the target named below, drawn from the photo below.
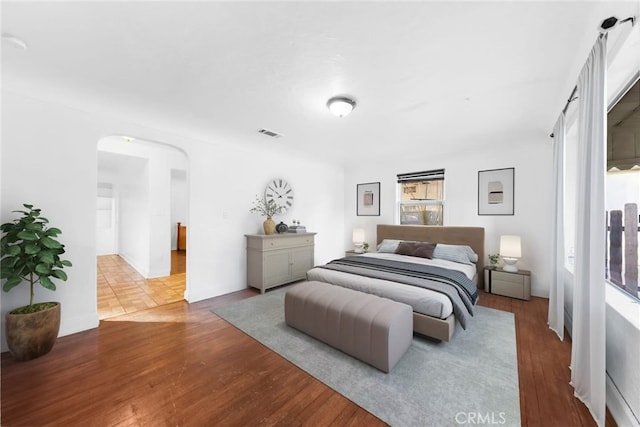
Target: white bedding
(424, 301)
(468, 269)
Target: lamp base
(510, 265)
(358, 248)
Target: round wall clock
(280, 192)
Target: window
(623, 191)
(421, 197)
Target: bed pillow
(388, 245)
(417, 249)
(456, 253)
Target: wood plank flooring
(121, 289)
(181, 365)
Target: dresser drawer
(279, 241)
(287, 242)
(506, 277)
(508, 289)
(514, 285)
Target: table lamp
(511, 252)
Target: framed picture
(496, 192)
(368, 199)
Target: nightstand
(514, 285)
(351, 253)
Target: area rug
(472, 380)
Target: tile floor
(121, 289)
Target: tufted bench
(376, 330)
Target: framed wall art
(496, 192)
(368, 199)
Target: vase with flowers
(267, 208)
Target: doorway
(137, 264)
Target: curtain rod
(605, 26)
(572, 98)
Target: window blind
(432, 175)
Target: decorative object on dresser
(368, 199)
(496, 192)
(297, 228)
(276, 259)
(266, 208)
(514, 285)
(282, 228)
(511, 252)
(358, 240)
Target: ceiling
(435, 77)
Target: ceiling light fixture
(340, 106)
(16, 42)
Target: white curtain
(556, 292)
(588, 350)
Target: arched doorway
(142, 194)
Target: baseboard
(618, 407)
(132, 263)
(77, 324)
(195, 294)
(159, 273)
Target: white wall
(220, 198)
(133, 214)
(531, 158)
(179, 203)
(106, 223)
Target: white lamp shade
(510, 247)
(358, 235)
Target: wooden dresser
(277, 259)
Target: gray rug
(472, 380)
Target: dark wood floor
(181, 365)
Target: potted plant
(493, 260)
(267, 208)
(31, 254)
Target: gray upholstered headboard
(472, 236)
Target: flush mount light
(341, 106)
(16, 42)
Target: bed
(436, 314)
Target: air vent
(270, 133)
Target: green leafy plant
(30, 253)
(494, 259)
(266, 208)
(365, 246)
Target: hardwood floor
(121, 289)
(181, 365)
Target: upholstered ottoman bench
(376, 330)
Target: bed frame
(440, 329)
